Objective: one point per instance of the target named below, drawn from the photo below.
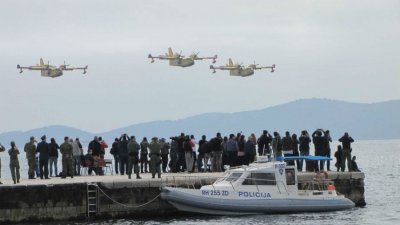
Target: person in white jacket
(77, 152)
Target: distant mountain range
(363, 121)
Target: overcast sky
(344, 50)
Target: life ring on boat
(321, 175)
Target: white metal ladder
(92, 199)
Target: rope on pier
(128, 206)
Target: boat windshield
(233, 177)
(260, 179)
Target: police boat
(262, 187)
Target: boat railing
(316, 184)
(196, 182)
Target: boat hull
(192, 200)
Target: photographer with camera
(304, 147)
(123, 154)
(319, 146)
(180, 164)
(346, 151)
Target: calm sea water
(377, 159)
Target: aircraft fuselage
(51, 73)
(181, 62)
(241, 72)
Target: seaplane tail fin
(170, 52)
(230, 62)
(41, 62)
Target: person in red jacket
(103, 146)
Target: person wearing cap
(155, 157)
(164, 154)
(66, 151)
(30, 150)
(14, 162)
(133, 162)
(2, 149)
(43, 149)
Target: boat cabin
(273, 175)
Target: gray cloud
(345, 50)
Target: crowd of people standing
(180, 154)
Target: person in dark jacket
(241, 155)
(277, 145)
(295, 148)
(53, 148)
(250, 151)
(144, 151)
(165, 146)
(319, 145)
(202, 152)
(180, 164)
(95, 146)
(123, 154)
(174, 156)
(43, 149)
(115, 152)
(287, 145)
(346, 151)
(263, 144)
(338, 156)
(216, 150)
(304, 146)
(2, 149)
(354, 165)
(328, 140)
(91, 163)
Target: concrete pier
(67, 199)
